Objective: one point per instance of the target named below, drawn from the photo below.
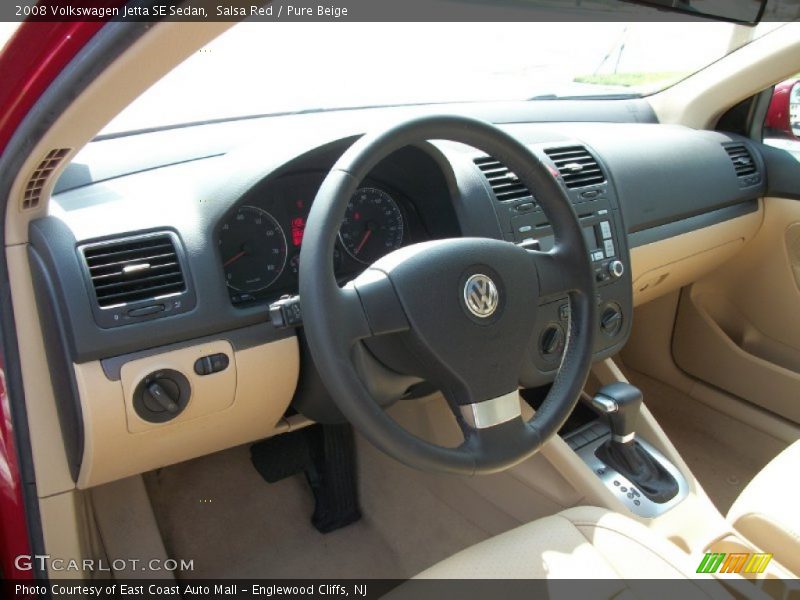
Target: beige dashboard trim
(667, 265)
(208, 393)
(265, 380)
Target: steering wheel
(462, 309)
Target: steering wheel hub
(481, 296)
(474, 357)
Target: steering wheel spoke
(352, 320)
(492, 412)
(370, 307)
(557, 272)
(382, 307)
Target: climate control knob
(551, 341)
(616, 269)
(611, 320)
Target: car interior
(552, 339)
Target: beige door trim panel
(245, 402)
(715, 342)
(737, 328)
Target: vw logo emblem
(481, 296)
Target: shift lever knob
(620, 402)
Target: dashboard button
(202, 366)
(213, 363)
(609, 248)
(605, 229)
(219, 362)
(524, 207)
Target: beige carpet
(723, 453)
(219, 512)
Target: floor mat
(723, 453)
(218, 511)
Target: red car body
(778, 121)
(31, 60)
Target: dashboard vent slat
(134, 269)
(577, 166)
(504, 183)
(743, 161)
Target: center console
(523, 221)
(637, 474)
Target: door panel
(739, 328)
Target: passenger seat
(766, 512)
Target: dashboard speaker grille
(133, 269)
(33, 189)
(577, 166)
(504, 183)
(742, 160)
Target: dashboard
(144, 269)
(233, 225)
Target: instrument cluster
(260, 239)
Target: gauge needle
(234, 258)
(364, 239)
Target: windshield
(273, 68)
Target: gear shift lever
(621, 403)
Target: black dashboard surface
(657, 176)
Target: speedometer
(253, 249)
(372, 225)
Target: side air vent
(742, 160)
(577, 166)
(33, 189)
(134, 269)
(505, 184)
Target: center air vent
(505, 184)
(742, 160)
(577, 166)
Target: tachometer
(372, 226)
(253, 248)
